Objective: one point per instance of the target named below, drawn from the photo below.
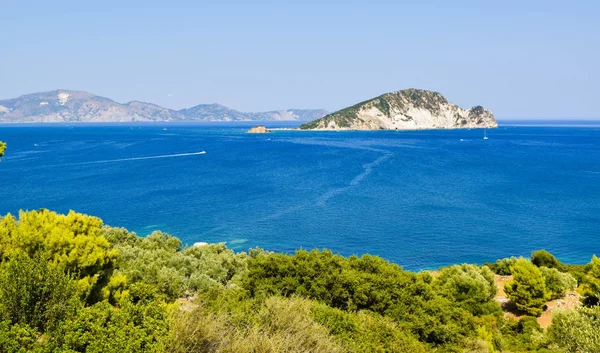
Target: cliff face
(410, 109)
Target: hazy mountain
(409, 109)
(77, 106)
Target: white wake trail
(141, 158)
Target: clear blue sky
(526, 59)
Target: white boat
(485, 134)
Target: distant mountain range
(77, 106)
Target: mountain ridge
(63, 105)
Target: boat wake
(368, 168)
(141, 158)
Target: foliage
(140, 327)
(527, 290)
(558, 283)
(471, 286)
(278, 325)
(577, 331)
(17, 338)
(36, 293)
(361, 283)
(591, 286)
(72, 240)
(365, 331)
(2, 149)
(67, 284)
(503, 267)
(542, 258)
(159, 260)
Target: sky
(520, 59)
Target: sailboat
(485, 134)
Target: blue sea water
(420, 199)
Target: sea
(421, 199)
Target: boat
(485, 134)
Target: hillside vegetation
(70, 284)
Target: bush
(591, 286)
(102, 328)
(577, 331)
(278, 325)
(503, 267)
(558, 283)
(365, 331)
(361, 283)
(159, 260)
(35, 293)
(473, 287)
(16, 338)
(527, 290)
(542, 258)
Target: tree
(543, 258)
(72, 240)
(2, 149)
(558, 283)
(591, 286)
(527, 290)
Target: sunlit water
(420, 199)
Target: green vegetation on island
(70, 284)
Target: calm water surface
(420, 199)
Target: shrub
(591, 286)
(577, 331)
(365, 331)
(361, 283)
(473, 287)
(542, 258)
(35, 293)
(279, 325)
(102, 328)
(159, 260)
(503, 267)
(527, 290)
(558, 283)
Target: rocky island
(409, 109)
(259, 129)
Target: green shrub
(102, 328)
(365, 331)
(277, 325)
(591, 283)
(16, 338)
(577, 331)
(503, 267)
(159, 260)
(36, 293)
(527, 290)
(558, 283)
(471, 286)
(542, 258)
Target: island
(409, 109)
(259, 129)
